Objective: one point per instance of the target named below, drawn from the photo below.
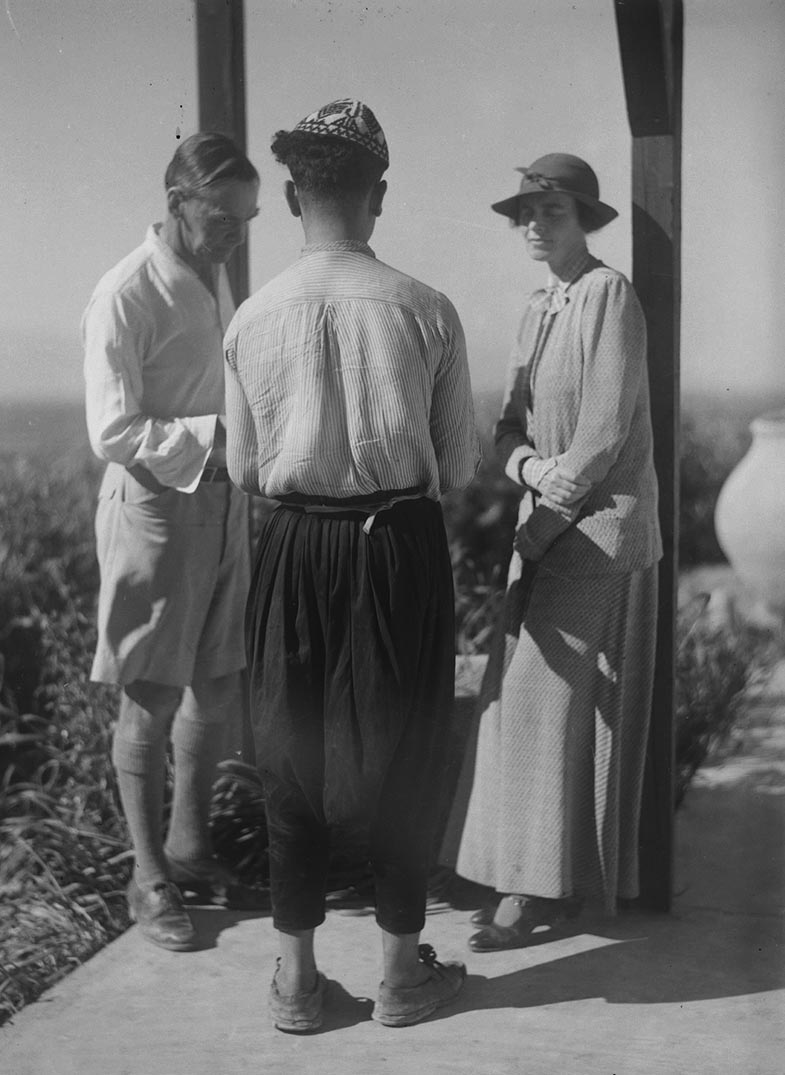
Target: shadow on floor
(343, 1010)
(211, 922)
(644, 961)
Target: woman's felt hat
(563, 174)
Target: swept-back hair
(324, 166)
(207, 158)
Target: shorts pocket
(136, 492)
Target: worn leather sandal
(297, 1013)
(405, 1005)
(535, 912)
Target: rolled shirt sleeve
(117, 334)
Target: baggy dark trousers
(351, 657)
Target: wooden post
(220, 46)
(650, 39)
(220, 53)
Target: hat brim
(509, 206)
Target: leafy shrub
(716, 663)
(480, 523)
(64, 852)
(63, 842)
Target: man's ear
(292, 198)
(377, 197)
(175, 196)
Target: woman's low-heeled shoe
(493, 938)
(534, 913)
(483, 917)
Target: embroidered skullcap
(351, 120)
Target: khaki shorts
(175, 570)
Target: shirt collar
(163, 250)
(154, 239)
(348, 246)
(171, 259)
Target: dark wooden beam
(648, 81)
(220, 45)
(220, 55)
(651, 44)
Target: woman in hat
(552, 818)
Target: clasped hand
(562, 488)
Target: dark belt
(214, 474)
(366, 503)
(365, 507)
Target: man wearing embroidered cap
(349, 120)
(348, 401)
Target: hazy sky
(94, 96)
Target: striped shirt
(346, 377)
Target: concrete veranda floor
(699, 991)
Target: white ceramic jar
(750, 515)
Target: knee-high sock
(198, 747)
(140, 767)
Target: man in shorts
(172, 532)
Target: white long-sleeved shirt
(347, 377)
(153, 364)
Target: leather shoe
(158, 911)
(534, 913)
(493, 938)
(483, 917)
(406, 1005)
(297, 1013)
(208, 881)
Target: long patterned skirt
(565, 704)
